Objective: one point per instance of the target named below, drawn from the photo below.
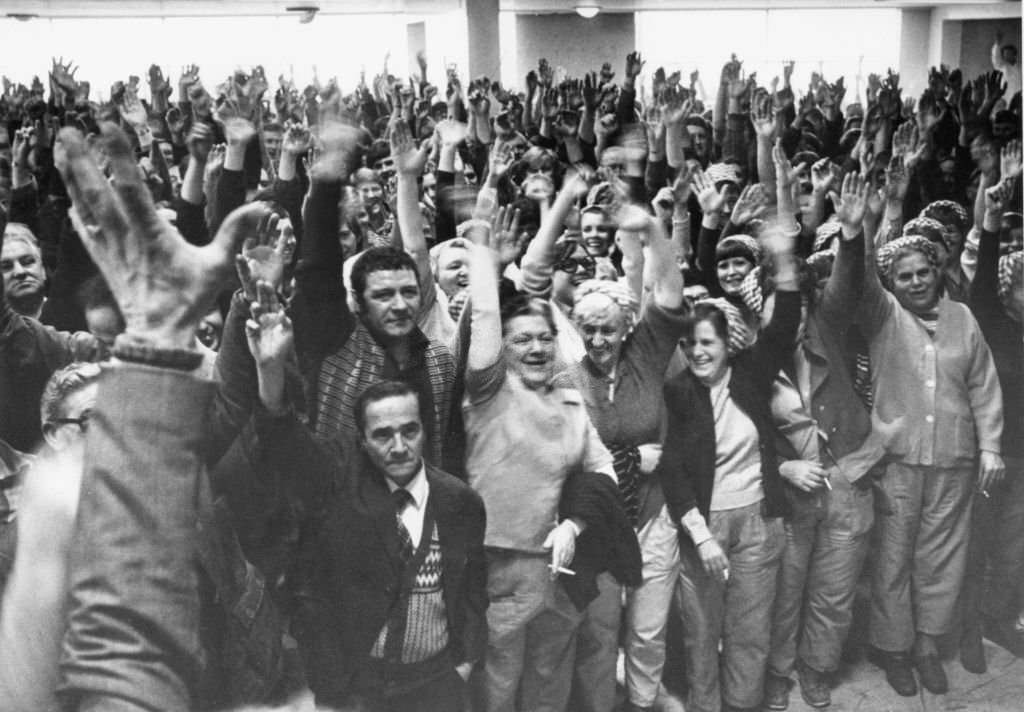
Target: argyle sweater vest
(346, 373)
(419, 612)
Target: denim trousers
(597, 649)
(923, 518)
(735, 613)
(826, 541)
(647, 608)
(531, 635)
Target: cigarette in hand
(561, 570)
(725, 574)
(985, 492)
(828, 483)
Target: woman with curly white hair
(620, 377)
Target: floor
(864, 689)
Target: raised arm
(846, 283)
(538, 262)
(409, 162)
(132, 642)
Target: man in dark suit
(394, 593)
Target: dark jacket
(355, 568)
(840, 415)
(1004, 337)
(608, 543)
(687, 466)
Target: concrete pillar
(570, 41)
(915, 40)
(483, 38)
(416, 42)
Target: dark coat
(687, 466)
(355, 570)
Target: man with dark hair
(393, 618)
(342, 355)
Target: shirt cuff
(695, 525)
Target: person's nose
(399, 304)
(398, 446)
(18, 269)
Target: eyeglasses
(566, 262)
(81, 421)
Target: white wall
(108, 50)
(828, 41)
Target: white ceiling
(184, 8)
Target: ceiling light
(587, 11)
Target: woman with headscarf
(620, 378)
(721, 481)
(932, 368)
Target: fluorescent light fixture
(587, 10)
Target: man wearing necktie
(392, 599)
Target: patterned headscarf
(740, 335)
(1011, 276)
(928, 227)
(751, 292)
(947, 212)
(614, 290)
(738, 246)
(886, 255)
(722, 172)
(825, 232)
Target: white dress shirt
(412, 515)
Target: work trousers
(994, 585)
(597, 649)
(531, 635)
(736, 613)
(923, 517)
(647, 608)
(826, 541)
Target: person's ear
(50, 435)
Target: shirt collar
(418, 487)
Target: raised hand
(297, 139)
(132, 109)
(897, 180)
(763, 118)
(335, 143)
(63, 76)
(1010, 160)
(785, 173)
(710, 198)
(451, 132)
(202, 102)
(200, 141)
(822, 176)
(634, 65)
(265, 254)
(851, 204)
(409, 160)
(162, 284)
(189, 78)
(682, 185)
(752, 203)
(158, 85)
(269, 334)
(567, 124)
(998, 197)
(505, 237)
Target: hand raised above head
(162, 284)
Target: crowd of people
(448, 398)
